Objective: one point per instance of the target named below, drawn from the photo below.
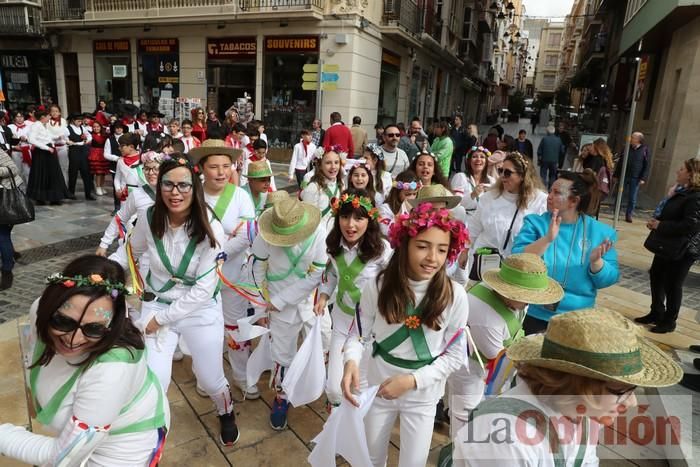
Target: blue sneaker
(278, 414)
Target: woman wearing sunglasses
(181, 286)
(90, 383)
(499, 216)
(577, 249)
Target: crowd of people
(422, 261)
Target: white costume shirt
(485, 451)
(321, 198)
(463, 185)
(108, 149)
(78, 130)
(189, 302)
(430, 379)
(395, 162)
(126, 177)
(489, 226)
(40, 136)
(136, 203)
(300, 158)
(289, 293)
(57, 131)
(387, 181)
(20, 132)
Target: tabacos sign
(227, 47)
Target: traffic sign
(331, 68)
(329, 86)
(310, 68)
(310, 77)
(313, 68)
(309, 85)
(329, 77)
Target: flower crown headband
(336, 148)
(412, 186)
(356, 202)
(113, 288)
(480, 149)
(180, 160)
(376, 150)
(423, 217)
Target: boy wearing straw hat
(234, 209)
(259, 181)
(497, 308)
(289, 258)
(578, 375)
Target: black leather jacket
(679, 221)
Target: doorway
(72, 80)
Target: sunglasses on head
(63, 323)
(505, 173)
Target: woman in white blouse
(475, 180)
(46, 183)
(499, 216)
(181, 297)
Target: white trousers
(205, 343)
(235, 307)
(342, 323)
(416, 431)
(62, 154)
(466, 389)
(21, 166)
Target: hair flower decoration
(376, 150)
(410, 186)
(479, 149)
(319, 152)
(412, 322)
(111, 288)
(356, 202)
(424, 217)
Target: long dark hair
(370, 180)
(396, 295)
(197, 225)
(393, 200)
(122, 333)
(484, 178)
(438, 178)
(320, 179)
(585, 186)
(371, 245)
(379, 168)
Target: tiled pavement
(192, 442)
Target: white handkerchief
(247, 330)
(259, 361)
(306, 376)
(344, 434)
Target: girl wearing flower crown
(416, 315)
(425, 165)
(475, 180)
(404, 188)
(326, 183)
(357, 253)
(360, 178)
(382, 179)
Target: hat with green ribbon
(259, 169)
(598, 344)
(435, 194)
(213, 147)
(523, 277)
(288, 222)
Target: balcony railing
(404, 12)
(19, 19)
(66, 10)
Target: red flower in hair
(68, 284)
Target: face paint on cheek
(65, 306)
(104, 314)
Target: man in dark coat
(524, 145)
(637, 171)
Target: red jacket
(340, 135)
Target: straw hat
(523, 277)
(259, 169)
(597, 344)
(213, 147)
(275, 197)
(288, 222)
(435, 194)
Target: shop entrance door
(70, 67)
(229, 83)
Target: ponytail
(585, 186)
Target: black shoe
(647, 319)
(696, 363)
(441, 413)
(664, 327)
(40, 203)
(90, 198)
(6, 280)
(694, 348)
(691, 382)
(56, 203)
(229, 430)
(16, 255)
(628, 218)
(71, 196)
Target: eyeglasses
(182, 187)
(622, 394)
(63, 323)
(505, 173)
(393, 135)
(150, 169)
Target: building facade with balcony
(383, 61)
(548, 59)
(26, 59)
(533, 27)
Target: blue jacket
(580, 284)
(550, 149)
(637, 163)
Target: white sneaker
(178, 355)
(99, 191)
(250, 393)
(201, 392)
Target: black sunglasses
(505, 173)
(394, 135)
(63, 323)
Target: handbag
(672, 248)
(15, 206)
(487, 258)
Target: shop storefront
(231, 75)
(159, 74)
(287, 107)
(27, 78)
(389, 88)
(112, 70)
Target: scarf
(132, 159)
(662, 204)
(306, 145)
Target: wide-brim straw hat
(259, 169)
(213, 147)
(598, 344)
(435, 194)
(288, 222)
(275, 197)
(523, 277)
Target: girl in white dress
(326, 184)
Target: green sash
(224, 201)
(420, 345)
(145, 186)
(488, 296)
(294, 261)
(330, 195)
(259, 206)
(346, 282)
(46, 414)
